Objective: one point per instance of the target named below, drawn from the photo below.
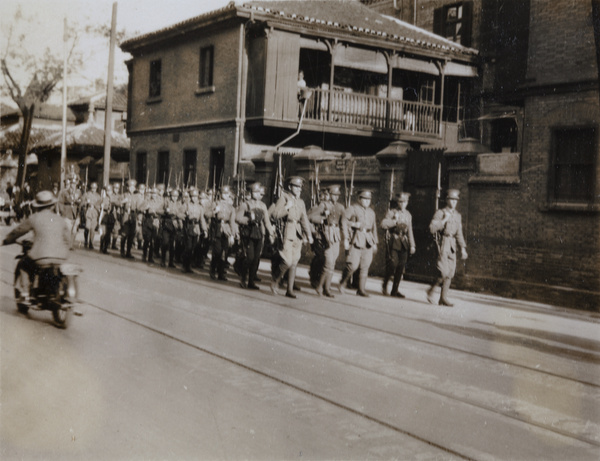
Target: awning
(415, 65)
(455, 69)
(359, 58)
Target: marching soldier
(254, 222)
(107, 219)
(201, 251)
(172, 223)
(330, 214)
(194, 227)
(447, 226)
(91, 202)
(360, 240)
(290, 210)
(139, 238)
(152, 207)
(224, 231)
(398, 222)
(69, 199)
(130, 205)
(116, 199)
(316, 217)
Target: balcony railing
(342, 108)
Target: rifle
(387, 236)
(103, 196)
(438, 194)
(349, 198)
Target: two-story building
(529, 170)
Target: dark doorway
(217, 166)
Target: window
(572, 172)
(162, 171)
(141, 168)
(155, 78)
(217, 165)
(205, 79)
(190, 157)
(454, 22)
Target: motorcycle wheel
(22, 308)
(62, 310)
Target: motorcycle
(53, 287)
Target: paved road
(163, 365)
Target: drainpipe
(306, 94)
(241, 102)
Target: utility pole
(63, 148)
(109, 97)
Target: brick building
(391, 103)
(531, 190)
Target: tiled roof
(42, 111)
(119, 102)
(352, 16)
(86, 134)
(342, 16)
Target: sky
(133, 16)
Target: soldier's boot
(86, 234)
(395, 285)
(362, 286)
(291, 278)
(213, 268)
(171, 258)
(431, 291)
(114, 243)
(144, 251)
(122, 247)
(129, 245)
(278, 278)
(346, 276)
(327, 286)
(445, 289)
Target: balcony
(341, 109)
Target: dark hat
(44, 198)
(365, 194)
(453, 194)
(403, 197)
(334, 189)
(295, 181)
(255, 187)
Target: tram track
(280, 303)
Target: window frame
(441, 23)
(570, 200)
(190, 169)
(206, 70)
(141, 166)
(163, 166)
(155, 81)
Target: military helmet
(295, 181)
(225, 189)
(453, 194)
(402, 197)
(255, 187)
(334, 190)
(365, 194)
(131, 183)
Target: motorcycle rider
(51, 239)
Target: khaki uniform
(398, 224)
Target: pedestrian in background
(446, 226)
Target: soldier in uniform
(254, 222)
(329, 215)
(107, 218)
(194, 227)
(116, 200)
(139, 238)
(69, 199)
(447, 226)
(398, 222)
(316, 217)
(360, 240)
(224, 231)
(152, 208)
(290, 209)
(130, 205)
(91, 202)
(172, 223)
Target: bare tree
(30, 79)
